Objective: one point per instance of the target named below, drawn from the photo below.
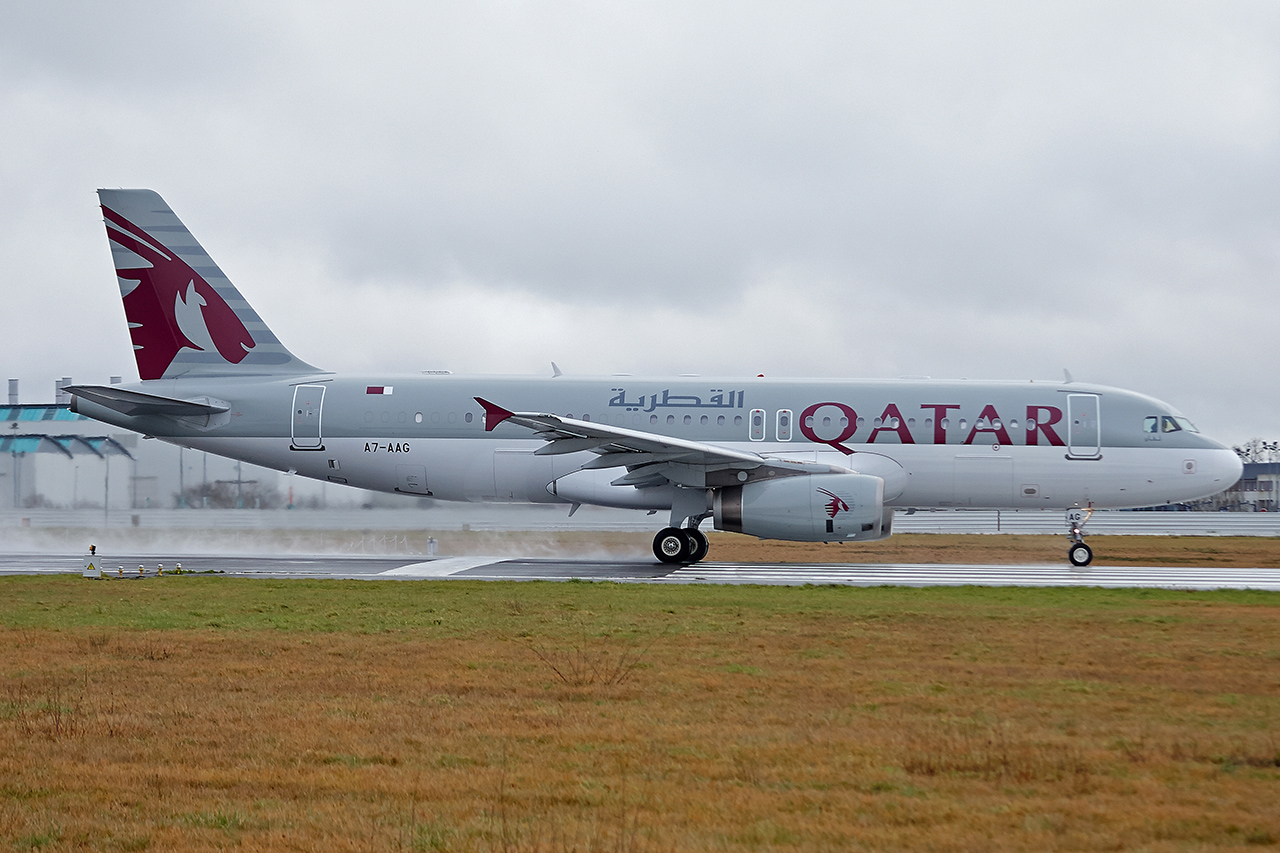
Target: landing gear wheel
(698, 545)
(671, 545)
(1080, 554)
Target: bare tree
(1257, 450)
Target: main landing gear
(681, 541)
(680, 545)
(1078, 553)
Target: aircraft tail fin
(185, 316)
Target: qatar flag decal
(379, 389)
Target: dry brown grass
(1236, 551)
(429, 716)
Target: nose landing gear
(1078, 553)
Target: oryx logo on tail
(835, 506)
(172, 307)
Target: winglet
(493, 413)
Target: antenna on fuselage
(1066, 376)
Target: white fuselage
(935, 444)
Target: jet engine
(806, 508)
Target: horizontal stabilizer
(135, 403)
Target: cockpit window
(1175, 424)
(1167, 423)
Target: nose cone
(1223, 468)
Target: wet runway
(648, 571)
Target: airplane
(794, 459)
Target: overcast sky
(980, 190)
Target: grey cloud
(978, 189)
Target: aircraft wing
(136, 403)
(650, 459)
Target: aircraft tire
(698, 545)
(1080, 554)
(671, 545)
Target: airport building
(1257, 490)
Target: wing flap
(606, 439)
(650, 459)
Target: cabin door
(1084, 432)
(307, 402)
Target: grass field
(206, 713)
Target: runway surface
(648, 571)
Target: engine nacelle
(807, 508)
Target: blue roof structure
(39, 413)
(100, 446)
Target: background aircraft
(797, 459)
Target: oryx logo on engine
(835, 506)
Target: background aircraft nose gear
(680, 545)
(1078, 553)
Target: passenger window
(784, 425)
(1150, 424)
